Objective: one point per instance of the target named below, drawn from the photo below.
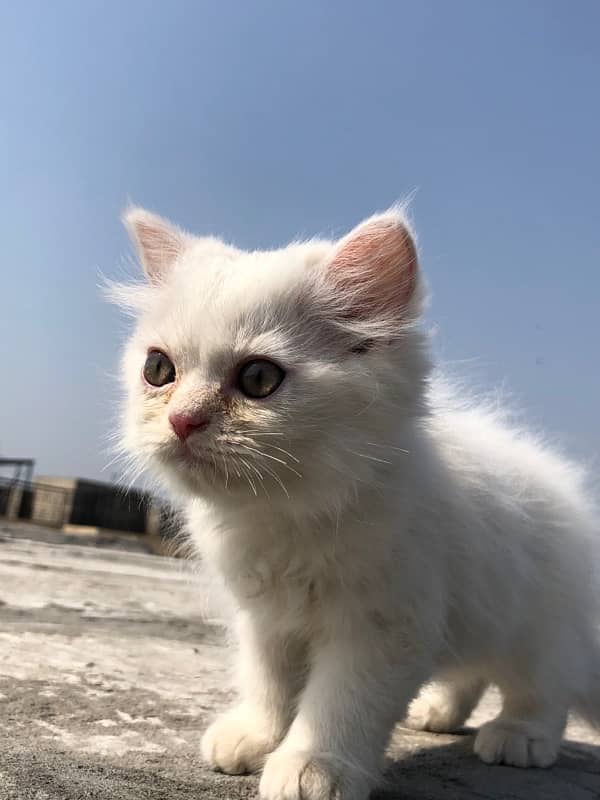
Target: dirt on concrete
(112, 661)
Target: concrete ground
(111, 664)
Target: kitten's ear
(375, 269)
(158, 242)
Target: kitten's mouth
(229, 468)
(193, 457)
(197, 466)
(210, 470)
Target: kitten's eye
(259, 378)
(158, 369)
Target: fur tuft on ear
(374, 269)
(158, 242)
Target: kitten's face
(247, 376)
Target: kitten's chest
(287, 579)
(312, 595)
(292, 591)
(304, 578)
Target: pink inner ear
(376, 266)
(158, 242)
(160, 246)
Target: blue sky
(262, 121)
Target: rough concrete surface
(111, 664)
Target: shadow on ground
(451, 771)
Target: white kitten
(372, 535)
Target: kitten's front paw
(519, 744)
(299, 775)
(235, 743)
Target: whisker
(264, 433)
(268, 455)
(281, 450)
(389, 447)
(261, 477)
(252, 467)
(371, 458)
(356, 478)
(258, 434)
(248, 478)
(276, 477)
(112, 461)
(226, 471)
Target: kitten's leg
(335, 746)
(445, 706)
(271, 674)
(529, 729)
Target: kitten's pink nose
(186, 424)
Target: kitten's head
(274, 376)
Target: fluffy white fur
(374, 533)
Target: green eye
(158, 369)
(259, 378)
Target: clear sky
(262, 121)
